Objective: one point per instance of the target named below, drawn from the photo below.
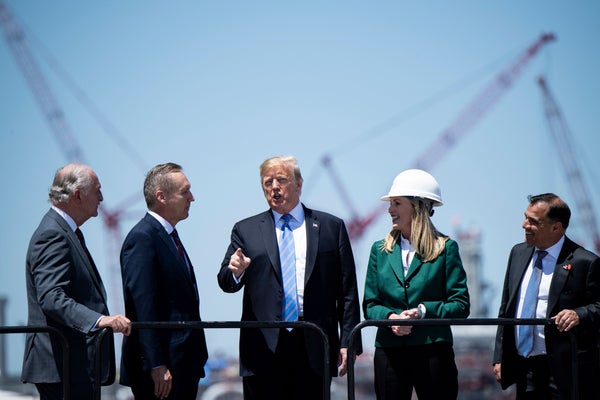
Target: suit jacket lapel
(170, 245)
(76, 244)
(312, 242)
(559, 276)
(267, 232)
(519, 266)
(395, 259)
(415, 265)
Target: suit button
(406, 285)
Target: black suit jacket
(157, 286)
(64, 292)
(330, 290)
(576, 287)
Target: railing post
(97, 384)
(249, 324)
(458, 321)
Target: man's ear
(76, 195)
(160, 196)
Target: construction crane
(55, 119)
(465, 121)
(563, 138)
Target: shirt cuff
(422, 310)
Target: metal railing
(456, 321)
(66, 367)
(281, 324)
(222, 325)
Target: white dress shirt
(548, 264)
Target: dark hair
(558, 210)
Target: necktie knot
(175, 234)
(540, 256)
(80, 236)
(286, 218)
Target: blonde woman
(415, 272)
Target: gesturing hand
(238, 262)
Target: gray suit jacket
(64, 292)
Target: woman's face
(401, 210)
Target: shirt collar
(554, 250)
(297, 212)
(165, 224)
(66, 217)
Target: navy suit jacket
(575, 285)
(157, 286)
(64, 292)
(330, 289)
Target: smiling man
(549, 276)
(295, 264)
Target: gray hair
(67, 179)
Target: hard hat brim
(388, 197)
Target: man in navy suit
(159, 284)
(64, 291)
(277, 363)
(568, 291)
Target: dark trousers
(54, 391)
(536, 381)
(291, 378)
(181, 389)
(429, 369)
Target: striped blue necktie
(287, 255)
(525, 332)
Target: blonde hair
(289, 162)
(425, 238)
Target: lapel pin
(568, 267)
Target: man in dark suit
(159, 284)
(321, 288)
(567, 289)
(64, 291)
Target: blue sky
(220, 86)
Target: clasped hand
(403, 330)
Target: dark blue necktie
(525, 332)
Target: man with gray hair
(65, 291)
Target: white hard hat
(415, 183)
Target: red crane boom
(465, 121)
(55, 118)
(562, 138)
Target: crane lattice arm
(478, 107)
(15, 38)
(474, 111)
(562, 138)
(55, 118)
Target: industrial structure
(470, 239)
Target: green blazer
(440, 285)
